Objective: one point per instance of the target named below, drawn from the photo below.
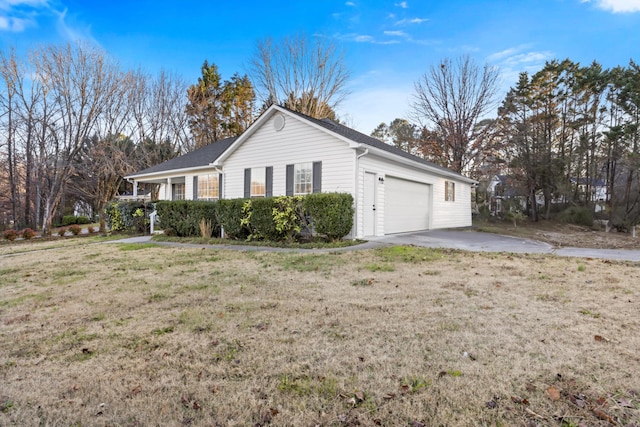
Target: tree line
(73, 122)
(559, 134)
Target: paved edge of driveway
(251, 248)
(431, 239)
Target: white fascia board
(171, 172)
(416, 164)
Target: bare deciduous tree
(306, 75)
(451, 99)
(83, 81)
(158, 108)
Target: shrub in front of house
(258, 218)
(289, 217)
(229, 214)
(68, 220)
(62, 231)
(75, 229)
(128, 217)
(282, 218)
(28, 234)
(82, 220)
(331, 213)
(182, 217)
(10, 234)
(91, 230)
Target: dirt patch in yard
(564, 235)
(138, 335)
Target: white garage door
(406, 206)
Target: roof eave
(415, 163)
(179, 171)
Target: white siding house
(285, 152)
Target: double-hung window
(304, 178)
(207, 187)
(258, 182)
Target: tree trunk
(534, 205)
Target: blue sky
(387, 45)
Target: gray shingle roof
(361, 138)
(209, 153)
(200, 157)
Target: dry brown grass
(137, 335)
(563, 235)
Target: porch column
(168, 195)
(135, 189)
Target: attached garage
(406, 205)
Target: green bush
(331, 213)
(259, 218)
(124, 217)
(82, 220)
(68, 220)
(274, 218)
(289, 217)
(578, 215)
(182, 217)
(229, 214)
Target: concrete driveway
(465, 239)
(470, 240)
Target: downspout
(357, 184)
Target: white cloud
(528, 58)
(350, 3)
(18, 15)
(517, 59)
(396, 33)
(11, 4)
(617, 6)
(402, 4)
(362, 38)
(411, 21)
(12, 24)
(74, 33)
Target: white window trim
(296, 168)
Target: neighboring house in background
(502, 188)
(598, 191)
(287, 153)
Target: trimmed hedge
(331, 213)
(183, 217)
(282, 218)
(229, 212)
(274, 218)
(72, 219)
(128, 216)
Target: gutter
(417, 164)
